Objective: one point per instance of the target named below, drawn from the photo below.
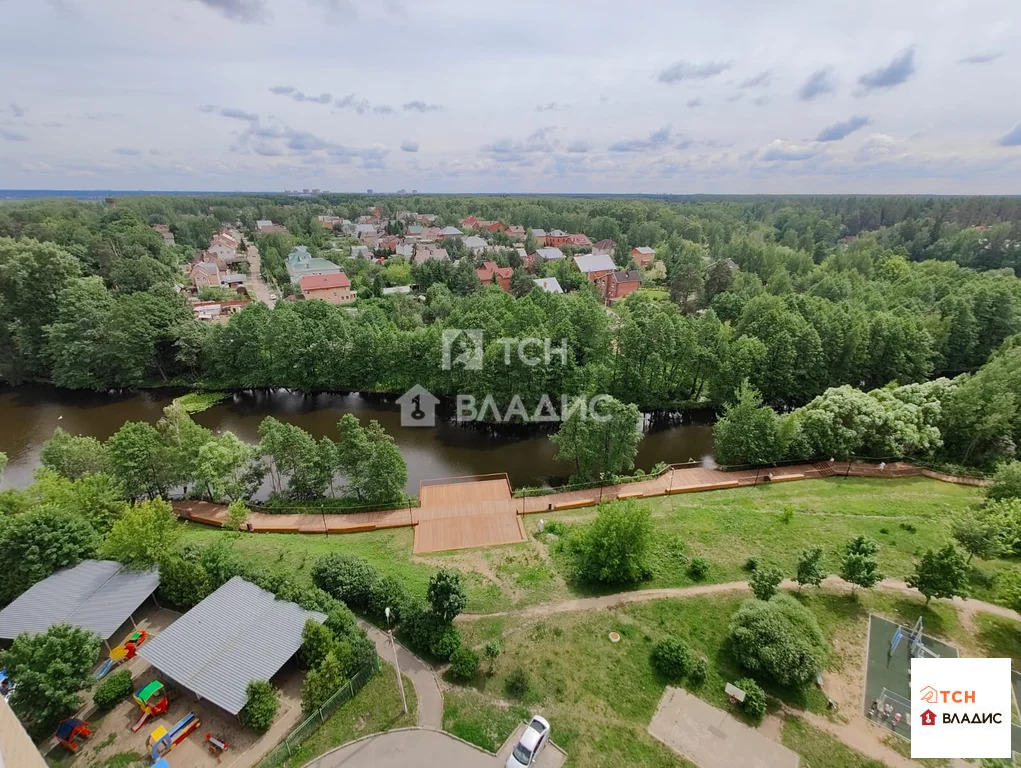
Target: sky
(547, 96)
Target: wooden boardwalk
(463, 512)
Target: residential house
(475, 244)
(556, 238)
(164, 230)
(424, 253)
(234, 280)
(489, 273)
(617, 285)
(494, 226)
(361, 252)
(578, 239)
(604, 246)
(414, 232)
(225, 249)
(427, 218)
(388, 243)
(449, 232)
(333, 288)
(266, 226)
(406, 250)
(549, 284)
(397, 290)
(539, 235)
(431, 233)
(594, 265)
(301, 263)
(549, 254)
(215, 310)
(469, 223)
(523, 255)
(643, 255)
(364, 229)
(205, 274)
(516, 233)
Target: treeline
(144, 460)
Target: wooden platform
(466, 512)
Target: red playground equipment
(162, 741)
(72, 732)
(123, 652)
(216, 746)
(153, 701)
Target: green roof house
(301, 263)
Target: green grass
(119, 760)
(819, 749)
(375, 708)
(194, 402)
(999, 638)
(470, 715)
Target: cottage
(643, 255)
(549, 254)
(267, 226)
(214, 310)
(604, 246)
(414, 232)
(578, 239)
(490, 273)
(617, 285)
(539, 235)
(516, 232)
(333, 288)
(360, 252)
(397, 290)
(476, 245)
(594, 265)
(388, 243)
(424, 254)
(549, 284)
(406, 250)
(164, 230)
(205, 274)
(301, 263)
(557, 237)
(449, 232)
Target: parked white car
(526, 752)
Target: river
(29, 414)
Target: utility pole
(397, 663)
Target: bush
(321, 683)
(517, 683)
(754, 698)
(261, 707)
(464, 664)
(316, 641)
(1006, 482)
(764, 581)
(446, 642)
(446, 594)
(698, 671)
(699, 568)
(347, 578)
(778, 638)
(183, 583)
(491, 652)
(751, 563)
(420, 627)
(615, 548)
(390, 593)
(671, 658)
(113, 690)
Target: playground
(887, 699)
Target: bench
(575, 504)
(785, 478)
(712, 487)
(630, 495)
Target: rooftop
(594, 262)
(324, 282)
(550, 254)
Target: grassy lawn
(999, 638)
(819, 749)
(375, 708)
(470, 715)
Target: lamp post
(397, 663)
(601, 475)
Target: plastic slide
(141, 721)
(104, 670)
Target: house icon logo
(462, 348)
(418, 407)
(929, 695)
(928, 717)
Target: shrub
(554, 527)
(615, 548)
(517, 683)
(446, 642)
(464, 664)
(321, 683)
(751, 563)
(778, 638)
(390, 593)
(446, 594)
(316, 641)
(671, 658)
(764, 581)
(261, 707)
(113, 690)
(699, 568)
(754, 698)
(698, 671)
(420, 627)
(347, 578)
(183, 583)
(491, 652)
(1006, 482)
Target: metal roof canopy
(237, 634)
(99, 595)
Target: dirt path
(259, 287)
(641, 596)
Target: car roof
(529, 739)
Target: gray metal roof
(98, 595)
(594, 262)
(238, 634)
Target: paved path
(409, 746)
(258, 285)
(968, 607)
(427, 686)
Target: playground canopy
(99, 595)
(238, 634)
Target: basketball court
(888, 671)
(463, 512)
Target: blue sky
(531, 96)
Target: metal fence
(311, 724)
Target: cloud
(818, 83)
(231, 112)
(383, 109)
(695, 102)
(783, 151)
(282, 90)
(245, 11)
(522, 152)
(16, 110)
(52, 124)
(277, 139)
(1011, 138)
(353, 102)
(553, 106)
(758, 81)
(129, 151)
(879, 147)
(421, 106)
(578, 147)
(409, 146)
(900, 68)
(686, 70)
(981, 58)
(13, 136)
(656, 140)
(843, 129)
(293, 93)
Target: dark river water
(29, 414)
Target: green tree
(321, 683)
(686, 289)
(1004, 521)
(616, 547)
(97, 498)
(389, 592)
(809, 567)
(113, 690)
(183, 582)
(384, 472)
(143, 535)
(602, 443)
(1006, 482)
(765, 581)
(940, 573)
(36, 543)
(261, 707)
(671, 658)
(237, 515)
(754, 703)
(1008, 589)
(859, 566)
(139, 460)
(73, 455)
(345, 577)
(51, 669)
(748, 432)
(316, 642)
(975, 535)
(464, 664)
(446, 594)
(779, 639)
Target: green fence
(311, 724)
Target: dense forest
(796, 295)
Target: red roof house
(489, 270)
(333, 289)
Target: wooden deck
(466, 513)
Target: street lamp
(601, 475)
(397, 663)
